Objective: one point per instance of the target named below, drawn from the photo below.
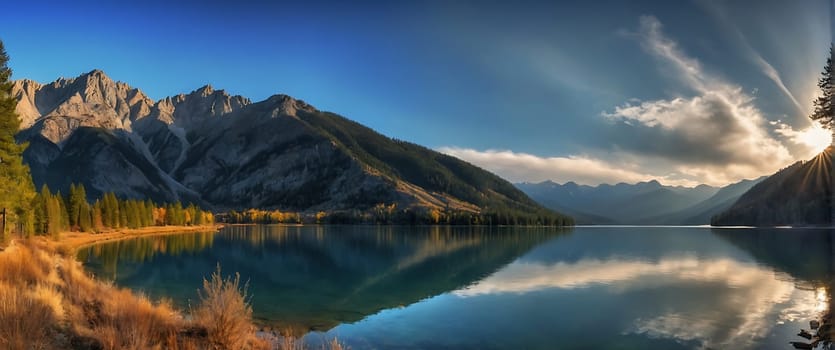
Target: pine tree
(85, 220)
(77, 199)
(98, 223)
(133, 214)
(54, 215)
(824, 107)
(179, 214)
(63, 215)
(39, 210)
(169, 214)
(123, 213)
(16, 188)
(196, 215)
(110, 210)
(72, 211)
(148, 213)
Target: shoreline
(76, 240)
(51, 301)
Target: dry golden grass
(47, 301)
(134, 322)
(25, 321)
(293, 343)
(21, 266)
(49, 296)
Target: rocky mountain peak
(205, 102)
(204, 91)
(24, 91)
(26, 84)
(284, 105)
(92, 99)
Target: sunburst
(815, 137)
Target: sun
(816, 137)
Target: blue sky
(684, 92)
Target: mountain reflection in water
(506, 288)
(315, 277)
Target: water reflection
(650, 288)
(317, 276)
(744, 294)
(480, 288)
(142, 249)
(805, 254)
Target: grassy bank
(71, 241)
(48, 301)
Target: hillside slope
(700, 213)
(799, 195)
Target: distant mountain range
(227, 152)
(644, 203)
(799, 195)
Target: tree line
(259, 216)
(53, 213)
(390, 214)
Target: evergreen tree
(123, 213)
(72, 211)
(133, 214)
(85, 220)
(53, 215)
(98, 222)
(39, 209)
(179, 214)
(169, 215)
(16, 188)
(77, 199)
(27, 223)
(196, 215)
(148, 213)
(63, 216)
(824, 111)
(110, 210)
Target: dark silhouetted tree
(824, 107)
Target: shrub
(225, 312)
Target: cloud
(717, 126)
(522, 167)
(772, 74)
(716, 135)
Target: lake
(381, 287)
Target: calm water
(508, 288)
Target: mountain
(616, 204)
(228, 152)
(641, 203)
(701, 213)
(799, 195)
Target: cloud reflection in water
(741, 302)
